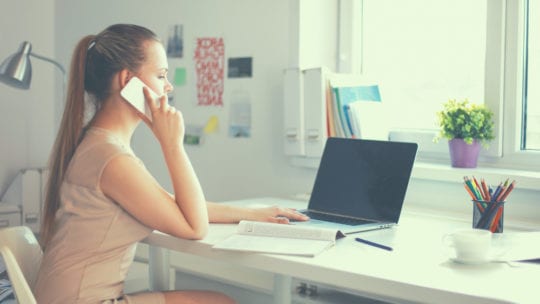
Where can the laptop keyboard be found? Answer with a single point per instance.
(335, 218)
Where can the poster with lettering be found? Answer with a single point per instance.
(209, 67)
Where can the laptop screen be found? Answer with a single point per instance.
(363, 178)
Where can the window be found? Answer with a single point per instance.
(531, 128)
(425, 52)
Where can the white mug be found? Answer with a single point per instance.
(471, 246)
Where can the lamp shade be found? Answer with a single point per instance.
(16, 70)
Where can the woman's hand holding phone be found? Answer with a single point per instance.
(164, 120)
(167, 123)
(133, 94)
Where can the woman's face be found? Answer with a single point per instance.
(153, 72)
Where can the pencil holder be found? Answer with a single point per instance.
(488, 215)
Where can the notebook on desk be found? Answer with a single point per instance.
(360, 184)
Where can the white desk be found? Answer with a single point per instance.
(417, 270)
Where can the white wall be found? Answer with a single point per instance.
(228, 168)
(26, 117)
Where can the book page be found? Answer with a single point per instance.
(274, 245)
(286, 231)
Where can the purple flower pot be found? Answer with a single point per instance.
(462, 154)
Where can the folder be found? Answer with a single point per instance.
(315, 112)
(293, 112)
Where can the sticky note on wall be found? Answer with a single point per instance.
(179, 76)
(211, 125)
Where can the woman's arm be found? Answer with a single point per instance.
(223, 213)
(127, 182)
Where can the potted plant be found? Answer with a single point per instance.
(467, 126)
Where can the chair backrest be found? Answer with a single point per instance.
(22, 256)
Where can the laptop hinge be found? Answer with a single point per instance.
(341, 215)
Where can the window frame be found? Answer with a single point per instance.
(504, 76)
(513, 86)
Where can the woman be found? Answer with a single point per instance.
(100, 199)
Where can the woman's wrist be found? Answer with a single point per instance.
(223, 213)
(173, 149)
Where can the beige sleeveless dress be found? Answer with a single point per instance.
(94, 241)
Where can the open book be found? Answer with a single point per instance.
(280, 239)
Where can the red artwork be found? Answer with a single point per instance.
(209, 66)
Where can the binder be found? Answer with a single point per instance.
(319, 104)
(315, 112)
(293, 112)
(360, 97)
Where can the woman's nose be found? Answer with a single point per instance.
(168, 87)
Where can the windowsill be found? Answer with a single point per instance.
(445, 173)
(511, 223)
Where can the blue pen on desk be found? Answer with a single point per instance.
(373, 244)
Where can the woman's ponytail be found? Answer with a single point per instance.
(69, 135)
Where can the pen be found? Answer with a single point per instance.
(373, 244)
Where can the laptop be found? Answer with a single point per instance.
(360, 184)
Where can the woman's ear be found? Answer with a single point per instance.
(123, 77)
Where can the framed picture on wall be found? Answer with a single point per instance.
(175, 42)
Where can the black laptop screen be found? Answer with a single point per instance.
(363, 178)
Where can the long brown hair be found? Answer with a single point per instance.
(96, 59)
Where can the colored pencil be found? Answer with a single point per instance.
(495, 223)
(477, 186)
(487, 196)
(496, 193)
(508, 190)
(470, 192)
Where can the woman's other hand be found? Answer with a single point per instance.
(276, 214)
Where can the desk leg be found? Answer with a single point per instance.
(282, 289)
(158, 268)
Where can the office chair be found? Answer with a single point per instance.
(22, 256)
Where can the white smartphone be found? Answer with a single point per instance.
(133, 93)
